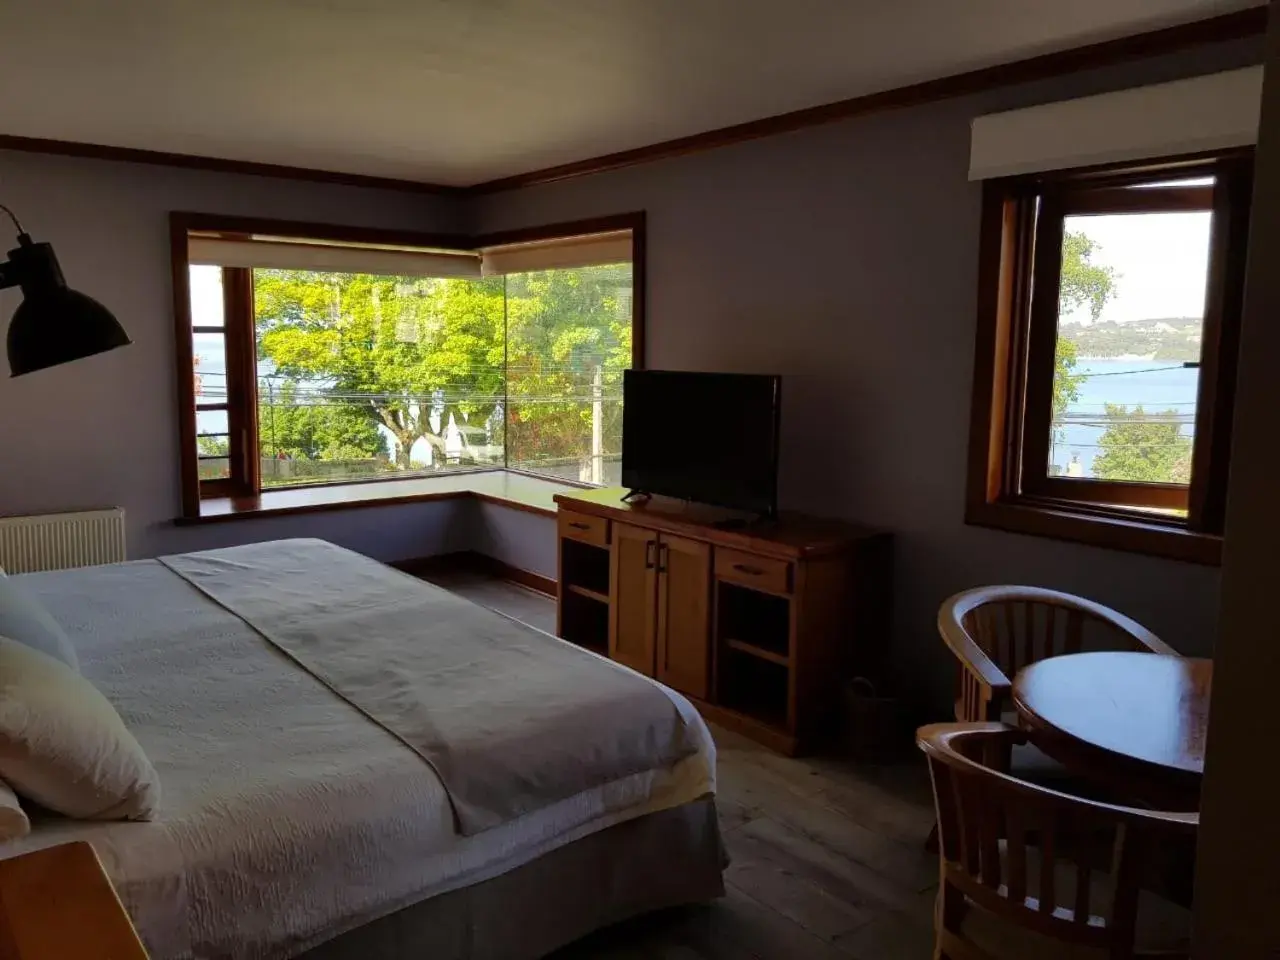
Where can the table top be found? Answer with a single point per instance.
(1141, 707)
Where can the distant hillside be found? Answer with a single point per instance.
(1176, 339)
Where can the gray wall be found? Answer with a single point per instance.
(104, 432)
(1239, 835)
(524, 540)
(844, 257)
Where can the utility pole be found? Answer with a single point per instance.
(597, 426)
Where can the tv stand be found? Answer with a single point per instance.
(758, 623)
(636, 496)
(756, 521)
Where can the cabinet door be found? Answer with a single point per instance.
(684, 615)
(633, 580)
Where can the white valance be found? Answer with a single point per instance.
(1211, 112)
(562, 253)
(286, 253)
(289, 254)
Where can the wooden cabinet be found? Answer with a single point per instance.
(660, 607)
(684, 615)
(633, 582)
(579, 526)
(757, 625)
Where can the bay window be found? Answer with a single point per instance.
(312, 356)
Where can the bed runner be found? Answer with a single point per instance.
(511, 719)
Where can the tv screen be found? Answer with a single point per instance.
(709, 437)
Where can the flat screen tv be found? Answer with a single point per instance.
(709, 437)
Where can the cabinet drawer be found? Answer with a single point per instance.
(752, 571)
(580, 526)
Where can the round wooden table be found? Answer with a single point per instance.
(1137, 720)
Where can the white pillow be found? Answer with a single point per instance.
(13, 820)
(64, 746)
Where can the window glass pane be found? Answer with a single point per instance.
(210, 354)
(568, 343)
(213, 452)
(365, 376)
(1131, 312)
(206, 296)
(212, 421)
(215, 469)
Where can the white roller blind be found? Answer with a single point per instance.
(335, 258)
(567, 252)
(1212, 112)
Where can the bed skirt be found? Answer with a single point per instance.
(660, 860)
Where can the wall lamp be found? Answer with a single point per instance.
(54, 324)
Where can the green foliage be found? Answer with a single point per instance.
(1175, 339)
(409, 353)
(1082, 283)
(1142, 447)
(313, 427)
(1066, 383)
(563, 327)
(213, 447)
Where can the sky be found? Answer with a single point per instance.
(206, 297)
(1162, 261)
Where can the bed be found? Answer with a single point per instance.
(295, 822)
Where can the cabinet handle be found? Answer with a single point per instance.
(579, 525)
(648, 553)
(662, 558)
(749, 571)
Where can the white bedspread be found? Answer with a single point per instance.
(288, 816)
(510, 719)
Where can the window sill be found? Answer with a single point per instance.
(1130, 534)
(507, 488)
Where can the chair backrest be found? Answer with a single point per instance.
(1007, 845)
(1017, 626)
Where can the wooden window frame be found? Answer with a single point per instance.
(245, 483)
(1019, 265)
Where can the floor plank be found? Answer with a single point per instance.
(795, 887)
(827, 858)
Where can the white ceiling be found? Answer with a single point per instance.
(462, 91)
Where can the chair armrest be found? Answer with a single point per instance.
(971, 656)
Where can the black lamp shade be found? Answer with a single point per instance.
(54, 324)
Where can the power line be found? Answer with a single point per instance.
(1126, 373)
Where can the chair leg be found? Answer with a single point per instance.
(948, 914)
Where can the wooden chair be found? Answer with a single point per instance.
(1015, 880)
(996, 631)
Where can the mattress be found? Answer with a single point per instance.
(288, 817)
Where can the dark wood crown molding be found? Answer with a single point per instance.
(1239, 25)
(1242, 24)
(97, 151)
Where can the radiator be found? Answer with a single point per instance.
(61, 540)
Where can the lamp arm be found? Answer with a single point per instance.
(8, 275)
(12, 216)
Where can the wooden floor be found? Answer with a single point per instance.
(828, 858)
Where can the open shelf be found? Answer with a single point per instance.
(759, 622)
(586, 566)
(754, 651)
(753, 686)
(585, 622)
(589, 594)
